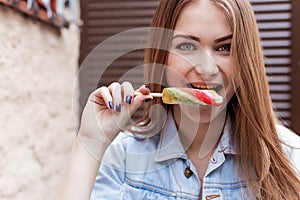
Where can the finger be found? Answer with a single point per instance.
(145, 96)
(116, 91)
(128, 92)
(103, 94)
(144, 89)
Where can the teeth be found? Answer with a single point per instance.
(204, 87)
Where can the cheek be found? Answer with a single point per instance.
(228, 72)
(230, 85)
(178, 64)
(176, 71)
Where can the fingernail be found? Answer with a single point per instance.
(147, 87)
(118, 107)
(128, 99)
(111, 105)
(147, 100)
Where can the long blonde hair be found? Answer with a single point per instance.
(262, 163)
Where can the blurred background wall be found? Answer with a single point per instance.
(38, 65)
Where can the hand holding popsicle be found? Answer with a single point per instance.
(189, 96)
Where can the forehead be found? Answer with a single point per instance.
(203, 17)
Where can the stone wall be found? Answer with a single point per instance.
(37, 73)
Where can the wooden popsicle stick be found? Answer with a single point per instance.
(159, 95)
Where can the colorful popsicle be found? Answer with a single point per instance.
(189, 96)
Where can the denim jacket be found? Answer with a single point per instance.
(158, 168)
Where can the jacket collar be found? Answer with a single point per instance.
(170, 146)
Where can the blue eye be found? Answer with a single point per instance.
(186, 47)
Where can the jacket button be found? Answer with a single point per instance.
(188, 172)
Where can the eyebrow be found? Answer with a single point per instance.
(187, 37)
(198, 39)
(223, 38)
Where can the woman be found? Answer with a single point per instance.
(215, 45)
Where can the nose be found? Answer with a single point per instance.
(206, 67)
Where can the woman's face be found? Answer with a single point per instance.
(200, 56)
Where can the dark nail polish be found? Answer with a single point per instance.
(118, 107)
(147, 100)
(146, 86)
(128, 99)
(111, 105)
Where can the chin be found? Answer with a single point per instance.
(198, 114)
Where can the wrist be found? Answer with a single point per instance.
(94, 147)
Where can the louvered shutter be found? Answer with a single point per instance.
(274, 22)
